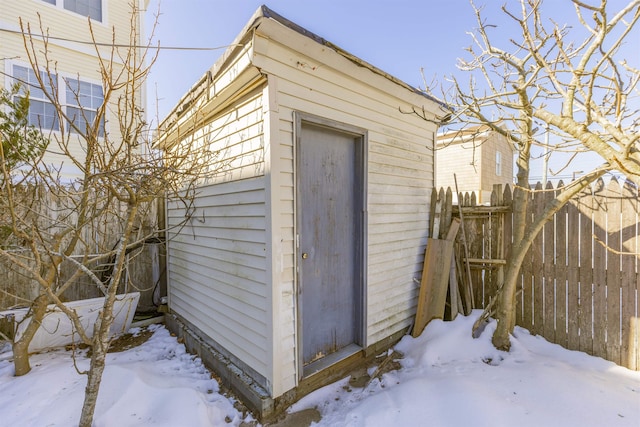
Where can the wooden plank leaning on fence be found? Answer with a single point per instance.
(436, 268)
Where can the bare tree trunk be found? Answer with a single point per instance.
(101, 334)
(506, 313)
(21, 346)
(98, 358)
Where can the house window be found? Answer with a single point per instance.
(498, 163)
(42, 113)
(83, 100)
(90, 8)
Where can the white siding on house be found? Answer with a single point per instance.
(70, 25)
(464, 160)
(70, 59)
(472, 157)
(285, 317)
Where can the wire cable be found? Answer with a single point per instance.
(6, 30)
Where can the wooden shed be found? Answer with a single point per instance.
(300, 252)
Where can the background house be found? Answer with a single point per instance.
(478, 157)
(300, 250)
(73, 59)
(70, 53)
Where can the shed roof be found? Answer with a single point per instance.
(262, 13)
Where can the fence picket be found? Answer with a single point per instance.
(614, 210)
(537, 264)
(560, 275)
(630, 245)
(573, 277)
(493, 243)
(586, 202)
(600, 271)
(508, 241)
(527, 273)
(548, 264)
(477, 247)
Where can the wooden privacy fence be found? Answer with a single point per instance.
(144, 265)
(578, 284)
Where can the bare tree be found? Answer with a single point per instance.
(107, 211)
(572, 81)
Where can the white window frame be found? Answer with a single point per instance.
(65, 98)
(498, 163)
(84, 109)
(36, 95)
(60, 4)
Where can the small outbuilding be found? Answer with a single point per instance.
(301, 250)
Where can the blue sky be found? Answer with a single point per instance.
(397, 36)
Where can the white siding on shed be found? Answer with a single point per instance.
(217, 267)
(217, 258)
(400, 171)
(237, 141)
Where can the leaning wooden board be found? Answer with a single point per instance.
(435, 279)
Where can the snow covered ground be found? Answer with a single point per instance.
(447, 379)
(154, 384)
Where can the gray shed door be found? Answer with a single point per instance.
(330, 241)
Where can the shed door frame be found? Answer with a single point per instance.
(360, 136)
